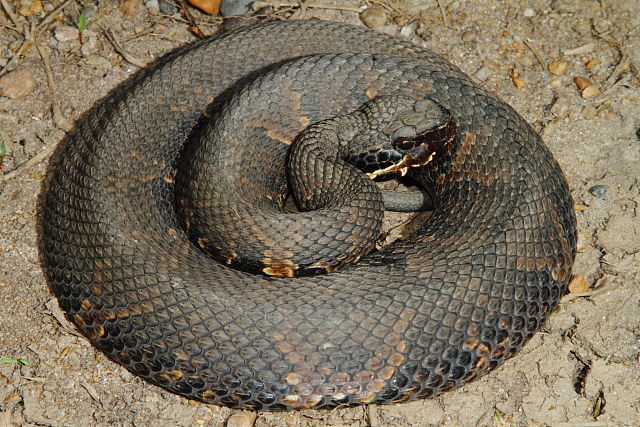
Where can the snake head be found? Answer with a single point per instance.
(412, 133)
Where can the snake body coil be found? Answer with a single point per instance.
(415, 319)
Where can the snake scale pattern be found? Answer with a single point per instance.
(412, 320)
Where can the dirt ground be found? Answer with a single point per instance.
(582, 369)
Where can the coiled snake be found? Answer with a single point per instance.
(412, 320)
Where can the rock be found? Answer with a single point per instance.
(408, 30)
(234, 7)
(560, 108)
(599, 191)
(17, 84)
(558, 68)
(470, 36)
(153, 5)
(483, 73)
(66, 33)
(242, 419)
(518, 82)
(238, 13)
(89, 12)
(591, 63)
(210, 7)
(373, 17)
(30, 8)
(90, 46)
(590, 91)
(167, 8)
(578, 284)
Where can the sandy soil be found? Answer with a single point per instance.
(582, 369)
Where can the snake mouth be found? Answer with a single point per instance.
(417, 151)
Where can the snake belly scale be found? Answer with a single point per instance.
(413, 320)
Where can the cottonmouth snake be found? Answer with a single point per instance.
(412, 320)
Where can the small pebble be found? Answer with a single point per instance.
(408, 30)
(66, 33)
(601, 26)
(153, 5)
(560, 108)
(518, 82)
(241, 419)
(590, 91)
(599, 191)
(558, 68)
(591, 63)
(89, 12)
(17, 84)
(373, 17)
(469, 36)
(210, 7)
(167, 8)
(90, 45)
(529, 13)
(160, 28)
(235, 7)
(526, 60)
(582, 82)
(578, 284)
(401, 20)
(30, 8)
(483, 73)
(557, 82)
(581, 243)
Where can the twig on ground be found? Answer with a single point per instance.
(193, 26)
(47, 67)
(29, 36)
(536, 53)
(58, 118)
(585, 48)
(50, 16)
(9, 10)
(443, 13)
(26, 44)
(29, 163)
(129, 58)
(261, 4)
